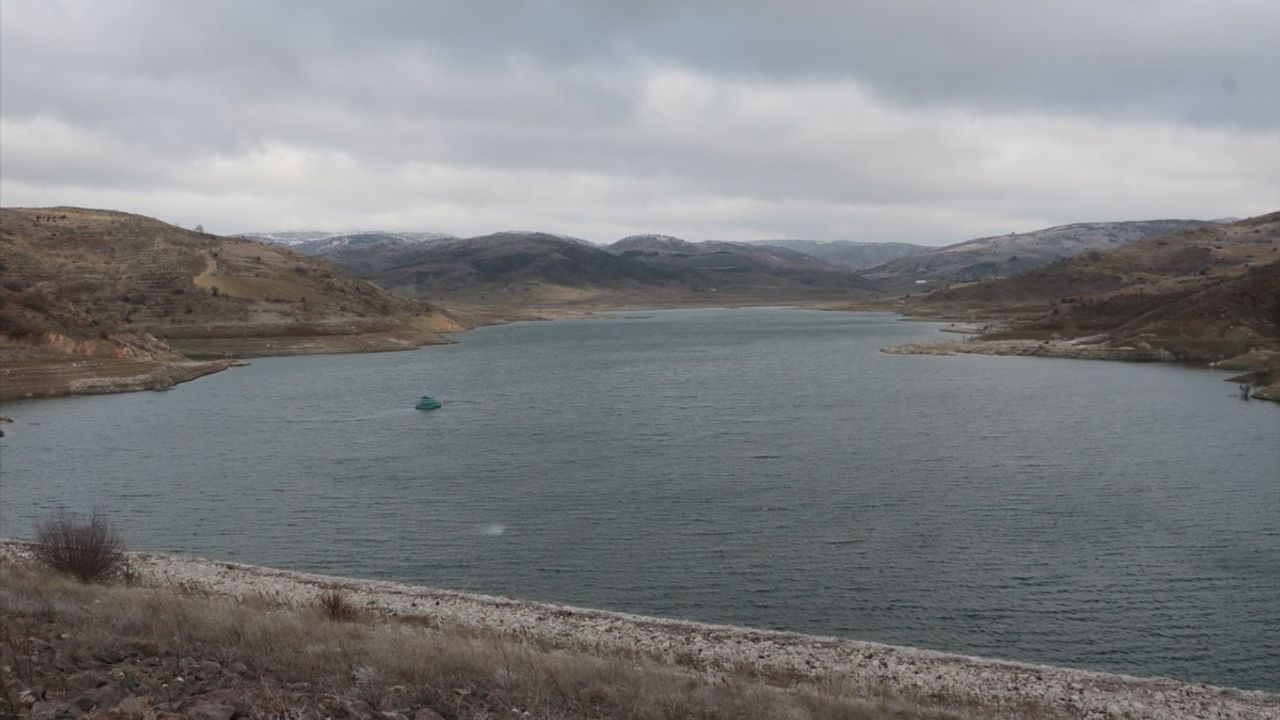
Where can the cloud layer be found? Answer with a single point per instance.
(917, 121)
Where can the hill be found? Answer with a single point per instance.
(134, 297)
(324, 243)
(1202, 295)
(1180, 261)
(850, 254)
(1015, 253)
(529, 269)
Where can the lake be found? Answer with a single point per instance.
(765, 467)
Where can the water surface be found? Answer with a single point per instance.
(765, 467)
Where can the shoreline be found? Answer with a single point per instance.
(951, 680)
(1080, 349)
(93, 376)
(205, 358)
(69, 375)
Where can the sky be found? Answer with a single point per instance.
(905, 120)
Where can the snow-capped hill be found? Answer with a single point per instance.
(309, 242)
(286, 237)
(535, 234)
(849, 253)
(1008, 255)
(653, 242)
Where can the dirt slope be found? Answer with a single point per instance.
(90, 294)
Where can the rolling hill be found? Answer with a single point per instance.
(324, 243)
(850, 254)
(92, 286)
(1015, 253)
(529, 269)
(1203, 294)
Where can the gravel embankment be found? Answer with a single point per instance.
(996, 686)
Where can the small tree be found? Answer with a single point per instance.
(89, 551)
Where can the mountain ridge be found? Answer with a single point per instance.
(523, 268)
(1008, 255)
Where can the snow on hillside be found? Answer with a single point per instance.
(314, 242)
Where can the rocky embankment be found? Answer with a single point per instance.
(991, 688)
(55, 365)
(1073, 349)
(95, 377)
(1262, 378)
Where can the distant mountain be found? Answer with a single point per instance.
(322, 243)
(461, 265)
(531, 268)
(1155, 265)
(714, 255)
(639, 244)
(854, 255)
(1015, 253)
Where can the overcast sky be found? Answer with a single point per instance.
(929, 122)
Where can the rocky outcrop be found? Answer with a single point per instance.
(1075, 349)
(1263, 382)
(96, 376)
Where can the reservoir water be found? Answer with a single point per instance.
(765, 467)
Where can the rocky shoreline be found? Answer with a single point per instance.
(1071, 349)
(94, 376)
(1261, 378)
(994, 687)
(42, 371)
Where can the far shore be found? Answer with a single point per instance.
(72, 375)
(1259, 366)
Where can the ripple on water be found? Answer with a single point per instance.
(761, 467)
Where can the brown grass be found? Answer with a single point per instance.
(458, 676)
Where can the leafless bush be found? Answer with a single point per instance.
(89, 551)
(335, 606)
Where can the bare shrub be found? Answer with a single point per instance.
(17, 326)
(89, 551)
(335, 606)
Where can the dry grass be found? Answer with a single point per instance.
(456, 675)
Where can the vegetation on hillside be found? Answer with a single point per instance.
(522, 269)
(1202, 295)
(91, 273)
(1004, 256)
(102, 301)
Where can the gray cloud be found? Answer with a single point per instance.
(923, 121)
